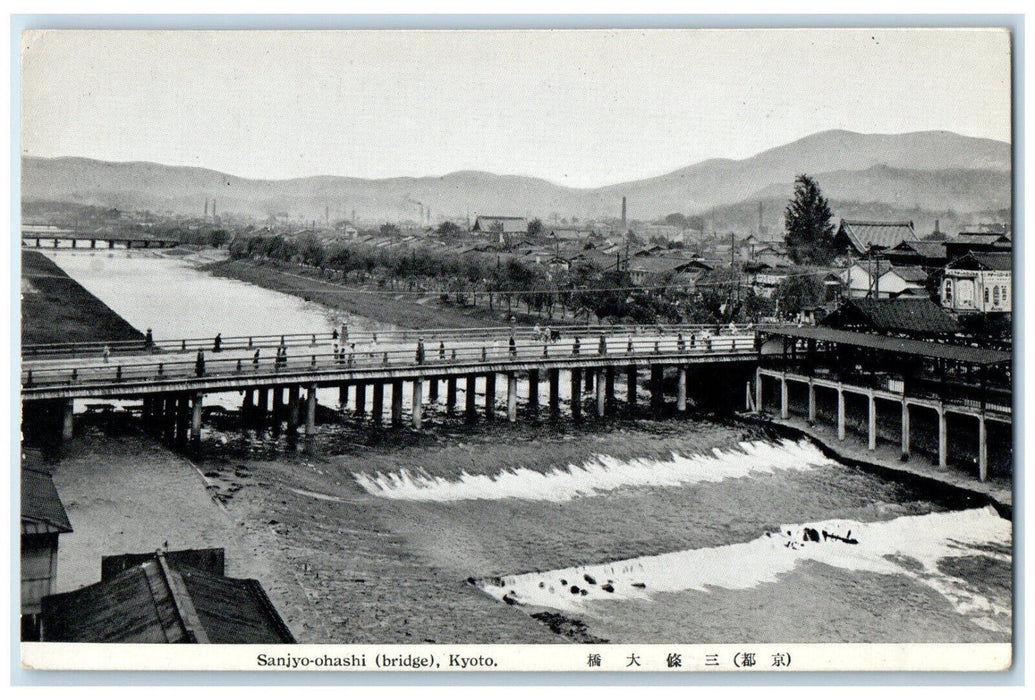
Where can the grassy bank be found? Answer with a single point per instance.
(402, 310)
(56, 309)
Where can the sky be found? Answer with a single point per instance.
(581, 108)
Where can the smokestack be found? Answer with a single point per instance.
(625, 225)
(936, 226)
(206, 207)
(760, 227)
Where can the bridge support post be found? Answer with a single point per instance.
(812, 402)
(872, 423)
(905, 429)
(74, 243)
(657, 399)
(840, 413)
(533, 391)
(111, 244)
(195, 421)
(93, 242)
(169, 418)
(182, 419)
(433, 390)
(397, 402)
(55, 243)
(67, 419)
(310, 417)
(630, 386)
(609, 388)
(377, 408)
(589, 379)
(784, 400)
(576, 394)
(343, 395)
(451, 395)
(943, 439)
(361, 398)
(277, 411)
(982, 448)
(37, 243)
(512, 397)
(470, 400)
(418, 399)
(554, 380)
(758, 390)
(293, 407)
(490, 395)
(264, 403)
(681, 390)
(600, 385)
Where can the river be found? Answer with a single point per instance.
(647, 532)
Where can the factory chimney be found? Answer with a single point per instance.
(625, 225)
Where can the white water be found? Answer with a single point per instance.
(924, 539)
(598, 476)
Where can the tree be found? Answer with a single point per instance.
(807, 221)
(389, 229)
(798, 292)
(535, 227)
(448, 228)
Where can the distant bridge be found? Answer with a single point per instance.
(35, 238)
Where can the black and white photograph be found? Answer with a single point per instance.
(583, 349)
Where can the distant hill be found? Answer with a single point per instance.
(931, 171)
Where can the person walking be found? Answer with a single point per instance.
(513, 348)
(106, 353)
(149, 342)
(602, 348)
(199, 364)
(420, 350)
(442, 350)
(255, 359)
(576, 347)
(217, 344)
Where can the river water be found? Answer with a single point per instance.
(726, 537)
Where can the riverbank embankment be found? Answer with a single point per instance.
(888, 462)
(56, 309)
(401, 309)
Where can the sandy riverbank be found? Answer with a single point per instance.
(56, 309)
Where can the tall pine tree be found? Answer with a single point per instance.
(807, 221)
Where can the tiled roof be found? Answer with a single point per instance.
(157, 603)
(40, 501)
(983, 261)
(910, 273)
(902, 315)
(864, 235)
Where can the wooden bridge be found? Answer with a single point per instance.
(171, 378)
(75, 239)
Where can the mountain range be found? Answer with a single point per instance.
(922, 173)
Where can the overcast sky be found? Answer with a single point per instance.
(579, 108)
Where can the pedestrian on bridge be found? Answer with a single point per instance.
(420, 350)
(149, 342)
(106, 353)
(680, 343)
(199, 364)
(217, 344)
(602, 348)
(576, 346)
(513, 348)
(255, 359)
(442, 350)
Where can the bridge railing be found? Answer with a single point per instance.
(294, 362)
(345, 337)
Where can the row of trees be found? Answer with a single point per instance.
(507, 284)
